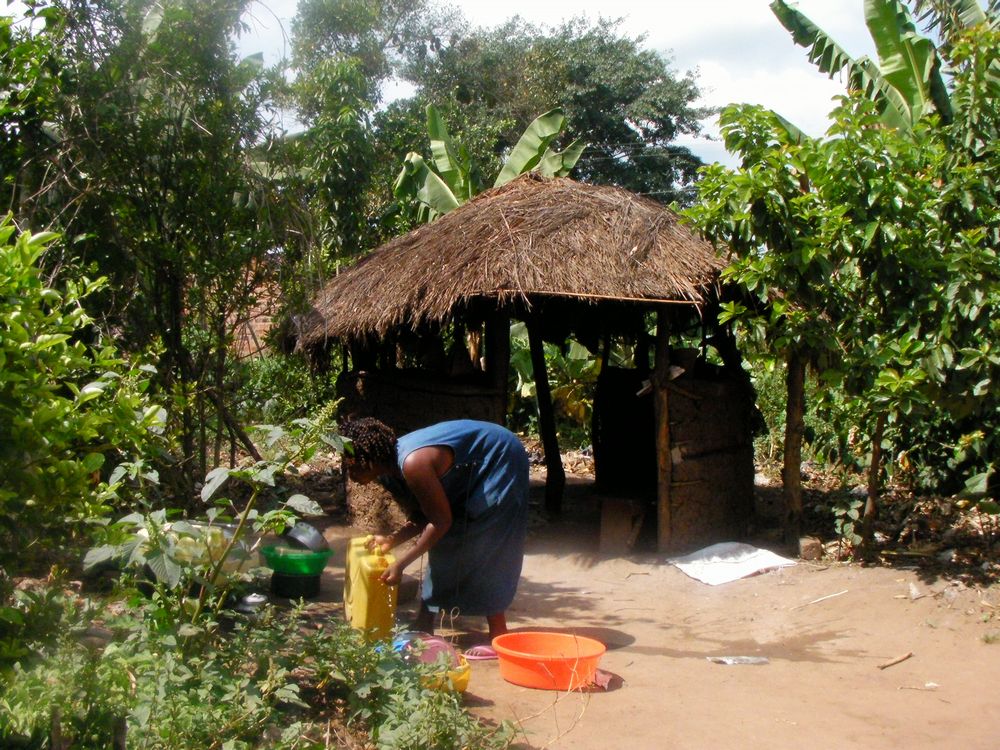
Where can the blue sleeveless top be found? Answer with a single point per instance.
(490, 463)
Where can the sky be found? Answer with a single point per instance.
(737, 49)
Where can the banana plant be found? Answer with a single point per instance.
(533, 151)
(950, 17)
(906, 83)
(452, 178)
(572, 375)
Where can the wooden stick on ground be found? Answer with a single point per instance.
(897, 660)
(821, 599)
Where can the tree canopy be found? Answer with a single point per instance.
(870, 255)
(623, 100)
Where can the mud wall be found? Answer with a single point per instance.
(711, 453)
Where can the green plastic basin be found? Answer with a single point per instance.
(300, 562)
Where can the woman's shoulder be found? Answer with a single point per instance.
(451, 427)
(455, 432)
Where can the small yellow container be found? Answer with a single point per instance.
(369, 604)
(456, 680)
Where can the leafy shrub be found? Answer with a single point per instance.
(572, 375)
(66, 406)
(31, 619)
(390, 698)
(275, 388)
(212, 557)
(146, 684)
(769, 384)
(262, 682)
(822, 418)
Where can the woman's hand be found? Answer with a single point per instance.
(381, 543)
(392, 575)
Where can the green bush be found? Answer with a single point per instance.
(276, 388)
(828, 418)
(139, 679)
(769, 385)
(69, 409)
(266, 681)
(572, 376)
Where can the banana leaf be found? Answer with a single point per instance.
(528, 151)
(949, 15)
(416, 179)
(907, 60)
(448, 164)
(561, 163)
(833, 59)
(793, 134)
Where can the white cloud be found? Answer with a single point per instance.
(798, 95)
(737, 48)
(270, 29)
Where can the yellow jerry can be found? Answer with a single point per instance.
(369, 604)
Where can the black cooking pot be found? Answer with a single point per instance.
(305, 536)
(292, 586)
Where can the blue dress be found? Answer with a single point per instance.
(476, 565)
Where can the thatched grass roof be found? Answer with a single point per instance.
(532, 236)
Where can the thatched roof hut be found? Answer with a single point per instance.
(533, 237)
(565, 258)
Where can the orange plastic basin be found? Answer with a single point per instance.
(549, 661)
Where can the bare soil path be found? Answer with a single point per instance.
(822, 685)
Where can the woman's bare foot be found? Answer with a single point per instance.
(497, 624)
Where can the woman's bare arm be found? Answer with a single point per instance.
(422, 470)
(404, 533)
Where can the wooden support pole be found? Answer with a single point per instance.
(664, 462)
(555, 480)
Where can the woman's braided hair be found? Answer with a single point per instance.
(374, 442)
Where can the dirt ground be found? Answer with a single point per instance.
(825, 629)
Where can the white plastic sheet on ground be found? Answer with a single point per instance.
(728, 561)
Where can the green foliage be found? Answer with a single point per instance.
(769, 384)
(251, 682)
(276, 388)
(533, 150)
(32, 619)
(29, 79)
(872, 254)
(148, 164)
(905, 85)
(400, 127)
(453, 178)
(847, 520)
(864, 253)
(69, 409)
(572, 375)
(391, 699)
(488, 85)
(828, 424)
(180, 669)
(196, 565)
(75, 687)
(624, 101)
(374, 34)
(229, 692)
(331, 161)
